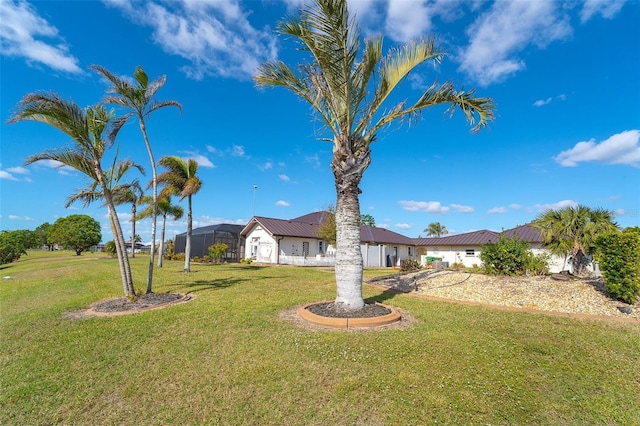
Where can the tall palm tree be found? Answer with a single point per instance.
(436, 229)
(180, 179)
(138, 97)
(86, 127)
(347, 89)
(165, 209)
(571, 232)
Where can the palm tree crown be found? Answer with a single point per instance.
(572, 231)
(180, 179)
(436, 229)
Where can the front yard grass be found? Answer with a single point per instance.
(227, 358)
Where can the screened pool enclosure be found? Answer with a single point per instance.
(202, 238)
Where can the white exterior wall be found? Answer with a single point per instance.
(452, 254)
(264, 248)
(260, 246)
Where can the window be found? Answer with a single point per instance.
(410, 251)
(470, 252)
(321, 247)
(305, 248)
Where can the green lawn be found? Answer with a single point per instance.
(226, 357)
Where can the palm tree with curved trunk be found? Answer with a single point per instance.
(132, 194)
(436, 229)
(87, 128)
(138, 97)
(180, 179)
(165, 209)
(347, 89)
(571, 232)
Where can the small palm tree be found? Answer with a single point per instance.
(121, 192)
(86, 127)
(165, 209)
(347, 89)
(180, 179)
(132, 194)
(436, 229)
(138, 97)
(571, 232)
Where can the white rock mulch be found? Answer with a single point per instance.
(576, 296)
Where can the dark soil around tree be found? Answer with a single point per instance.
(143, 301)
(329, 309)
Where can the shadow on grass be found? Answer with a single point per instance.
(215, 284)
(383, 297)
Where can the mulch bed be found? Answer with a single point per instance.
(143, 301)
(330, 310)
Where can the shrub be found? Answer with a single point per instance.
(196, 259)
(410, 265)
(457, 266)
(110, 248)
(619, 254)
(217, 251)
(537, 264)
(246, 260)
(178, 256)
(511, 257)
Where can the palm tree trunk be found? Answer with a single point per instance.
(133, 230)
(187, 248)
(118, 236)
(154, 184)
(161, 251)
(348, 169)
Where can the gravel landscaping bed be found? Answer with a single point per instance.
(576, 296)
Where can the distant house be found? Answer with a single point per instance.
(465, 248)
(202, 238)
(296, 242)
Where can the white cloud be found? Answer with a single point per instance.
(425, 206)
(515, 206)
(284, 178)
(204, 220)
(556, 206)
(238, 151)
(212, 149)
(314, 160)
(214, 36)
(6, 175)
(507, 28)
(266, 166)
(382, 225)
(497, 210)
(22, 32)
(201, 160)
(403, 226)
(462, 209)
(606, 8)
(15, 217)
(282, 203)
(541, 102)
(621, 148)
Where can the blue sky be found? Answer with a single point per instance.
(564, 77)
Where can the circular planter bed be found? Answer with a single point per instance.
(373, 315)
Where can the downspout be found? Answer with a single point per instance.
(278, 250)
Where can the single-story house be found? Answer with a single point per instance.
(296, 242)
(202, 238)
(465, 248)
